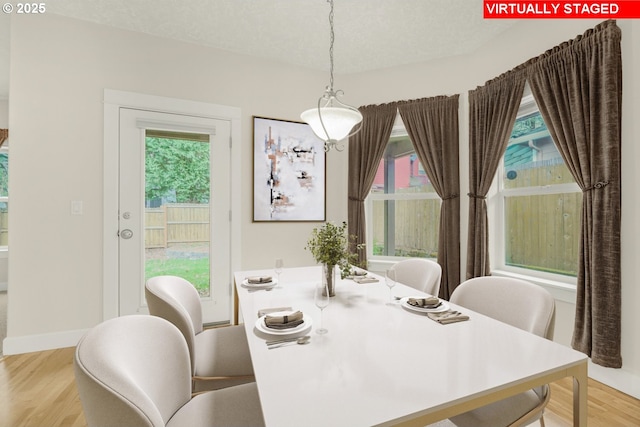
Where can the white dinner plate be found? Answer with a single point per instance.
(245, 284)
(405, 303)
(305, 325)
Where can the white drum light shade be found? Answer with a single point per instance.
(338, 122)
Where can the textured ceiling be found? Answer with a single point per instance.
(369, 34)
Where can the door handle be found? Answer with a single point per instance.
(126, 234)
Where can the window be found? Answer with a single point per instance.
(539, 203)
(403, 209)
(4, 197)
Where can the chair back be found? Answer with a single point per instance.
(419, 273)
(176, 300)
(132, 371)
(516, 302)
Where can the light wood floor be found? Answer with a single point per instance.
(38, 390)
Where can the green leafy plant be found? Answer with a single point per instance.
(329, 245)
(177, 168)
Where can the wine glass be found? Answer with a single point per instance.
(279, 267)
(390, 280)
(321, 297)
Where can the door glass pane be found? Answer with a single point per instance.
(176, 220)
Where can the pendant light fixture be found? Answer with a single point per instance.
(332, 120)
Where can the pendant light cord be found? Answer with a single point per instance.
(331, 46)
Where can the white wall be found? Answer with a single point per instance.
(4, 113)
(59, 69)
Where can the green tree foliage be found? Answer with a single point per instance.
(179, 167)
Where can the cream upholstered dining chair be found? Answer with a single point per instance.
(219, 356)
(525, 306)
(136, 371)
(419, 273)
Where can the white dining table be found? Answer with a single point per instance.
(381, 364)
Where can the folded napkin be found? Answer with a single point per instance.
(265, 311)
(427, 302)
(258, 280)
(449, 316)
(365, 279)
(284, 320)
(356, 273)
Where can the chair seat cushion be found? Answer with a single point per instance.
(501, 413)
(237, 406)
(222, 352)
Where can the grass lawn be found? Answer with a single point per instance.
(195, 271)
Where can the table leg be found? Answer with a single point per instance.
(236, 302)
(580, 396)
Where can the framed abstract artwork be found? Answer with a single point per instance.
(289, 172)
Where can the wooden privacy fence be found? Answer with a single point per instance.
(416, 226)
(543, 231)
(176, 223)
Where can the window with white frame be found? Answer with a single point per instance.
(538, 205)
(4, 197)
(402, 208)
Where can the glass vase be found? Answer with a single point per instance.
(329, 278)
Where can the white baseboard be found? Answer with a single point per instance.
(42, 342)
(625, 381)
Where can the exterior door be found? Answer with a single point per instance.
(174, 207)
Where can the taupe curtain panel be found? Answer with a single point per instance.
(492, 114)
(365, 152)
(432, 125)
(578, 87)
(4, 135)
